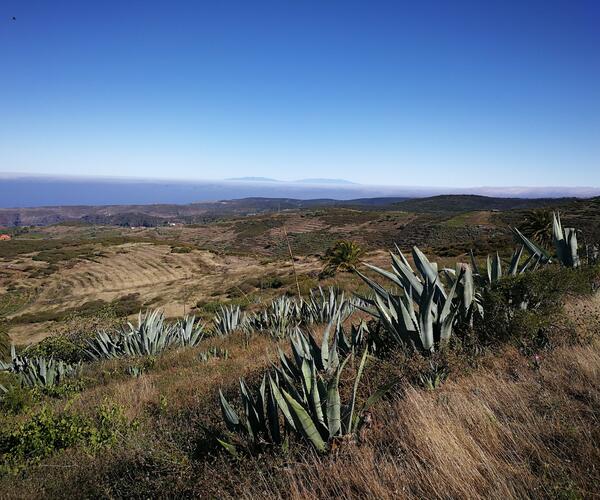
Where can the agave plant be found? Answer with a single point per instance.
(280, 319)
(151, 336)
(188, 332)
(495, 270)
(468, 292)
(322, 307)
(311, 407)
(227, 320)
(305, 349)
(423, 314)
(565, 244)
(38, 372)
(326, 356)
(357, 338)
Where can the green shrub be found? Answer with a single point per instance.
(176, 249)
(4, 343)
(67, 348)
(15, 399)
(63, 390)
(47, 432)
(523, 307)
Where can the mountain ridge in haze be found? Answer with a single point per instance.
(37, 191)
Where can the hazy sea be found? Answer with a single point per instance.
(51, 191)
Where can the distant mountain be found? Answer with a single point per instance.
(252, 179)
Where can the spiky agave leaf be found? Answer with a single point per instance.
(304, 422)
(565, 243)
(349, 417)
(39, 371)
(531, 247)
(232, 421)
(334, 405)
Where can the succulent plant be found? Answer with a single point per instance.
(37, 371)
(565, 243)
(228, 319)
(151, 336)
(310, 405)
(280, 319)
(423, 314)
(322, 307)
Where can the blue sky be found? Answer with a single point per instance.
(405, 93)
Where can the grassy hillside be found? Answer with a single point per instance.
(504, 405)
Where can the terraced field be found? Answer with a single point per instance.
(154, 273)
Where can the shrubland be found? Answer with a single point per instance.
(476, 379)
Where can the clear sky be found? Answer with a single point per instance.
(424, 93)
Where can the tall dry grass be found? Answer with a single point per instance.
(513, 430)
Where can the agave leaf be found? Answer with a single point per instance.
(426, 268)
(305, 423)
(281, 403)
(232, 421)
(273, 415)
(426, 318)
(350, 416)
(514, 261)
(315, 397)
(334, 421)
(532, 248)
(410, 280)
(231, 449)
(474, 263)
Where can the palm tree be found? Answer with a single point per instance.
(343, 255)
(537, 226)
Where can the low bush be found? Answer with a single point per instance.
(47, 432)
(522, 308)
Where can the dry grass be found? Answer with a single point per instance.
(514, 427)
(508, 431)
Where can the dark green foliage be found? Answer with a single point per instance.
(4, 342)
(16, 398)
(470, 202)
(537, 226)
(520, 309)
(47, 432)
(63, 254)
(342, 256)
(59, 391)
(67, 348)
(180, 249)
